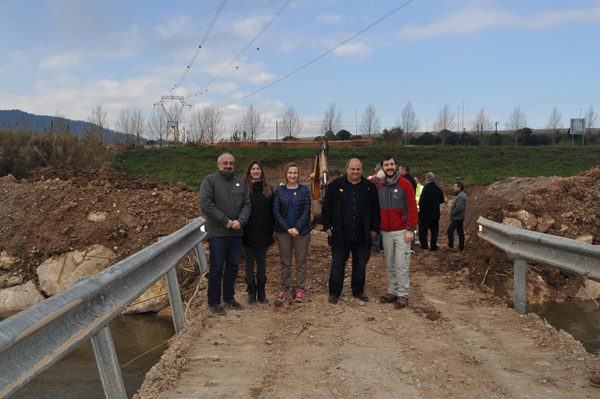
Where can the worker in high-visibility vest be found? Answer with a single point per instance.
(418, 190)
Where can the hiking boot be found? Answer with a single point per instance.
(388, 298)
(262, 295)
(401, 303)
(251, 291)
(300, 296)
(217, 309)
(232, 303)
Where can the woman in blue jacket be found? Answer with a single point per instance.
(291, 210)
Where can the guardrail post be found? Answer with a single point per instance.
(108, 365)
(175, 300)
(520, 278)
(201, 253)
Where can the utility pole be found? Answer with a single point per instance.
(356, 128)
(277, 130)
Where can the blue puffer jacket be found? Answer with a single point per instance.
(301, 210)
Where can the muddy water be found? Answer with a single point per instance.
(76, 375)
(581, 319)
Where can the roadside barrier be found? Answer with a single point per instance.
(523, 246)
(34, 339)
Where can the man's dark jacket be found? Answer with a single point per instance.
(335, 203)
(429, 204)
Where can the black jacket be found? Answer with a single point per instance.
(429, 204)
(258, 232)
(334, 206)
(412, 181)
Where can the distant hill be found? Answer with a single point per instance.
(15, 118)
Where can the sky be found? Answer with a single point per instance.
(69, 56)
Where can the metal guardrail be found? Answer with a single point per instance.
(34, 339)
(522, 246)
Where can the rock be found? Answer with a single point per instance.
(18, 298)
(563, 229)
(589, 239)
(544, 224)
(14, 280)
(6, 261)
(590, 290)
(529, 221)
(97, 216)
(155, 299)
(57, 274)
(3, 280)
(512, 222)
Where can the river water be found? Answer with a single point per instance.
(581, 319)
(76, 375)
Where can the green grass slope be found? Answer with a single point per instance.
(472, 165)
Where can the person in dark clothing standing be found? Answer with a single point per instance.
(225, 202)
(404, 171)
(258, 232)
(350, 215)
(429, 205)
(457, 216)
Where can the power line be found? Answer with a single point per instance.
(322, 55)
(245, 48)
(212, 24)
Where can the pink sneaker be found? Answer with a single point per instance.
(282, 295)
(300, 296)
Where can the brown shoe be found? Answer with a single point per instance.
(401, 303)
(595, 381)
(362, 296)
(388, 298)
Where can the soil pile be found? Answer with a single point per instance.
(65, 209)
(568, 207)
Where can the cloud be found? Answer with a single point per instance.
(470, 21)
(331, 19)
(64, 60)
(356, 49)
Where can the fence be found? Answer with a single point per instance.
(39, 336)
(522, 246)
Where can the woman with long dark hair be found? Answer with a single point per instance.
(258, 232)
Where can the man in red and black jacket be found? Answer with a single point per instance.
(399, 215)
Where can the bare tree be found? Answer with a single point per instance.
(555, 124)
(124, 126)
(332, 120)
(97, 123)
(60, 123)
(291, 125)
(517, 121)
(445, 119)
(138, 124)
(236, 134)
(370, 123)
(482, 124)
(251, 124)
(212, 122)
(590, 121)
(409, 122)
(157, 125)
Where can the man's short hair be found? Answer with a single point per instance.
(377, 167)
(430, 176)
(406, 167)
(460, 185)
(387, 158)
(352, 159)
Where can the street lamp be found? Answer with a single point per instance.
(426, 125)
(496, 127)
(580, 112)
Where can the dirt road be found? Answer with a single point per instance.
(450, 342)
